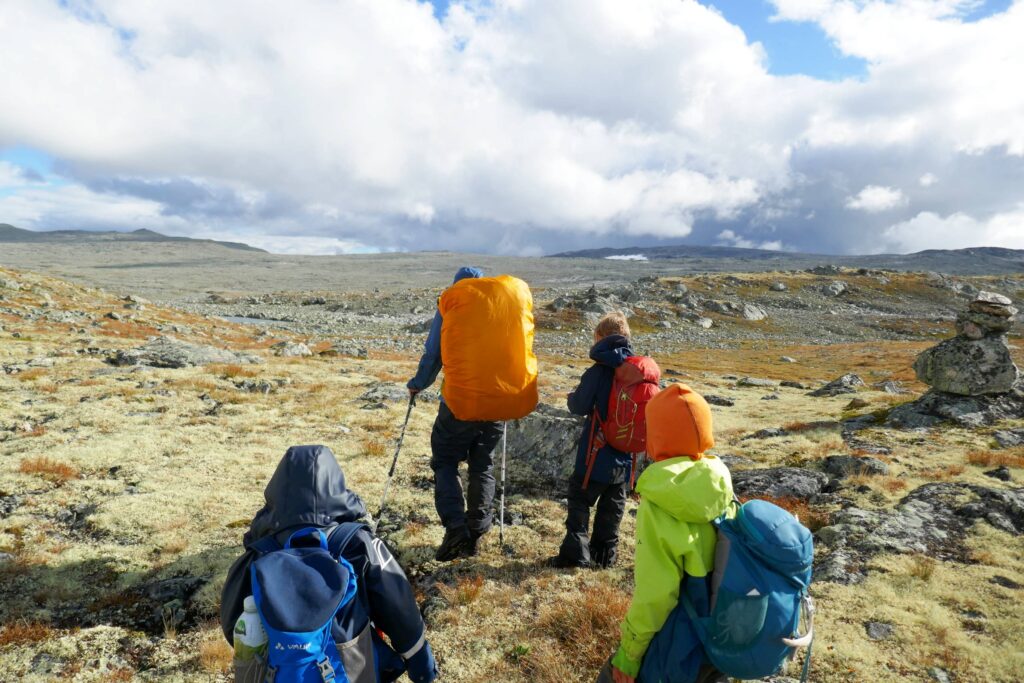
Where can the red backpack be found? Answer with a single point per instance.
(636, 381)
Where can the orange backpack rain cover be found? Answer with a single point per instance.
(490, 372)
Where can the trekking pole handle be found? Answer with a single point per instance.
(807, 605)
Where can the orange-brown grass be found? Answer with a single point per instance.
(893, 484)
(465, 591)
(1011, 457)
(122, 675)
(943, 473)
(49, 469)
(827, 447)
(810, 517)
(816, 362)
(922, 567)
(373, 446)
(48, 388)
(585, 629)
(232, 371)
(23, 632)
(30, 374)
(214, 654)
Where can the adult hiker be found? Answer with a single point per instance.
(681, 493)
(603, 473)
(307, 494)
(482, 335)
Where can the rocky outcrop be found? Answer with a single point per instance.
(967, 411)
(977, 361)
(542, 450)
(932, 520)
(847, 384)
(346, 349)
(168, 352)
(779, 482)
(289, 349)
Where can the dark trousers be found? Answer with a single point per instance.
(598, 548)
(451, 442)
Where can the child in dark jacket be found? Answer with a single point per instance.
(607, 482)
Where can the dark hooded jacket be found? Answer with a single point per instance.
(611, 466)
(308, 490)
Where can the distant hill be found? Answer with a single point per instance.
(9, 233)
(972, 261)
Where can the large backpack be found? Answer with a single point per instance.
(490, 370)
(317, 629)
(758, 593)
(635, 383)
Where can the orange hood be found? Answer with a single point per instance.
(678, 424)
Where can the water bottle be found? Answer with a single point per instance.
(250, 638)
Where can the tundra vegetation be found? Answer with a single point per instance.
(126, 482)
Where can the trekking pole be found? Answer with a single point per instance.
(394, 463)
(501, 507)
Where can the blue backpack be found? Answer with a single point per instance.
(300, 592)
(758, 593)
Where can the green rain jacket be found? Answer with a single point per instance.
(674, 536)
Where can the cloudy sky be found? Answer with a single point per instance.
(518, 126)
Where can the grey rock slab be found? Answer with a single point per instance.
(993, 298)
(291, 349)
(936, 407)
(845, 465)
(779, 482)
(719, 400)
(756, 382)
(1000, 473)
(1008, 438)
(168, 352)
(847, 384)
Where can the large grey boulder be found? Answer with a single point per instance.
(967, 411)
(969, 367)
(168, 352)
(779, 482)
(289, 349)
(542, 450)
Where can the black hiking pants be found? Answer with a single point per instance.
(599, 548)
(451, 442)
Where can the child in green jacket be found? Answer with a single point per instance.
(681, 493)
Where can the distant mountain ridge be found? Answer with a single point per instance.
(9, 233)
(973, 260)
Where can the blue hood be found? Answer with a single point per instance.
(307, 489)
(467, 271)
(611, 351)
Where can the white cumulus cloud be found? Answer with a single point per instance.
(928, 230)
(875, 198)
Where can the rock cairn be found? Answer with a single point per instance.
(977, 361)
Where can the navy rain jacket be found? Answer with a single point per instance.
(308, 490)
(430, 362)
(612, 466)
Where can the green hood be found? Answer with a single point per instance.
(689, 491)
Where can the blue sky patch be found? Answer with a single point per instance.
(792, 47)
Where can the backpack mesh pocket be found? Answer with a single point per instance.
(737, 620)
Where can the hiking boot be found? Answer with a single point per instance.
(559, 562)
(473, 547)
(457, 543)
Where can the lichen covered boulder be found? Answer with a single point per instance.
(968, 367)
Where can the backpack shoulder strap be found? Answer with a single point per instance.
(267, 544)
(341, 535)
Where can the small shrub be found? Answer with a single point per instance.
(465, 591)
(584, 629)
(811, 518)
(24, 632)
(49, 469)
(374, 447)
(922, 567)
(894, 484)
(943, 473)
(30, 374)
(1011, 457)
(215, 654)
(233, 371)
